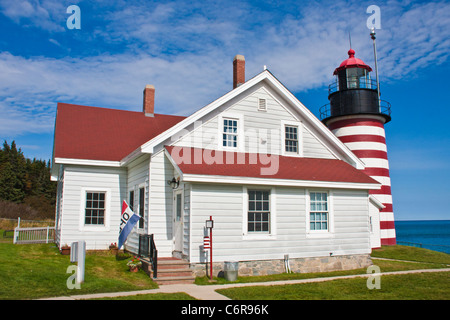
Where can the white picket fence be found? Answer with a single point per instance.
(34, 235)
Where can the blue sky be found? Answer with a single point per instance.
(185, 49)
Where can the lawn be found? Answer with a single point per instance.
(421, 286)
(39, 270)
(423, 259)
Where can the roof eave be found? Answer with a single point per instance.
(278, 182)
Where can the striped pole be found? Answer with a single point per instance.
(365, 136)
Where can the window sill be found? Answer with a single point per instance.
(259, 237)
(319, 235)
(89, 228)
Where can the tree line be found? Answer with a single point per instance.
(25, 183)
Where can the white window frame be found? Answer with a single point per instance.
(299, 126)
(137, 206)
(93, 227)
(271, 235)
(329, 233)
(240, 140)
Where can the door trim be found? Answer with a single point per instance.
(178, 246)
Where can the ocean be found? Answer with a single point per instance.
(428, 234)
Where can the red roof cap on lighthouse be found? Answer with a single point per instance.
(352, 62)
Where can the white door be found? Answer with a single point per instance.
(178, 221)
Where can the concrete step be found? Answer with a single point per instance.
(170, 271)
(162, 273)
(174, 279)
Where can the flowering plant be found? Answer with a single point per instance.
(113, 245)
(135, 262)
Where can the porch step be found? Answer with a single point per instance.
(172, 271)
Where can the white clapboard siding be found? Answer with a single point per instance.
(161, 203)
(225, 204)
(263, 130)
(138, 176)
(78, 180)
(313, 147)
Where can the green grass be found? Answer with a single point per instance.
(424, 286)
(39, 270)
(424, 259)
(412, 254)
(153, 296)
(419, 286)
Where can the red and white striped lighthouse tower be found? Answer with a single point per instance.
(357, 117)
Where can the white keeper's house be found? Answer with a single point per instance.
(280, 184)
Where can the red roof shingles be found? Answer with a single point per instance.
(207, 162)
(92, 133)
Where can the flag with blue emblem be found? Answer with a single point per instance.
(127, 222)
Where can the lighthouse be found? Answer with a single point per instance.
(357, 116)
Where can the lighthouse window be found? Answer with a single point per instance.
(291, 139)
(358, 78)
(352, 78)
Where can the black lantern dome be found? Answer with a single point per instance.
(354, 92)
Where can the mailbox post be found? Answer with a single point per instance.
(78, 254)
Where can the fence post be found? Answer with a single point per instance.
(18, 222)
(15, 235)
(46, 239)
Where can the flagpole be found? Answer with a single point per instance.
(372, 35)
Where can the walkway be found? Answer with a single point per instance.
(207, 292)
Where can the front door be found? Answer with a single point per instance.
(178, 221)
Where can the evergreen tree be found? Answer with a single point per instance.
(26, 181)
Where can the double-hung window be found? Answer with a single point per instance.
(291, 139)
(95, 208)
(258, 220)
(319, 211)
(230, 133)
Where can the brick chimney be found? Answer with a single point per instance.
(149, 101)
(238, 70)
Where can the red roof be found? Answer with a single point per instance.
(352, 62)
(291, 168)
(93, 133)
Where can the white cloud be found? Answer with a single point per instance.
(45, 14)
(186, 51)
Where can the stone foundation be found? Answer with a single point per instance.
(297, 265)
